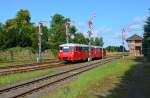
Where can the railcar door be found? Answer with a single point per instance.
(76, 53)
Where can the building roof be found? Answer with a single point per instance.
(134, 37)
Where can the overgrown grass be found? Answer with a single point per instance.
(10, 79)
(19, 55)
(85, 84)
(55, 53)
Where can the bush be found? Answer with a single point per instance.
(55, 53)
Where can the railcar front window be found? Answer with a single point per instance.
(67, 49)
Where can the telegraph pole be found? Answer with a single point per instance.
(39, 58)
(67, 34)
(39, 44)
(102, 51)
(102, 47)
(90, 24)
(122, 32)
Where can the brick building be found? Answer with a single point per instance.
(135, 45)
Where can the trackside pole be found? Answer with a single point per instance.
(90, 24)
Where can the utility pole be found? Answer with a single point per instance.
(67, 33)
(90, 24)
(39, 58)
(39, 44)
(122, 32)
(102, 51)
(102, 47)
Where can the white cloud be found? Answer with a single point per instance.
(139, 20)
(103, 29)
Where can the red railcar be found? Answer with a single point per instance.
(76, 52)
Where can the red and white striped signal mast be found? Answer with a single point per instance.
(90, 30)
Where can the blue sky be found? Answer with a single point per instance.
(111, 15)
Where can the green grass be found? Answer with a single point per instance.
(10, 79)
(85, 84)
(18, 55)
(18, 63)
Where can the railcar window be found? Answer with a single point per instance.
(67, 49)
(76, 49)
(80, 49)
(60, 48)
(87, 49)
(100, 49)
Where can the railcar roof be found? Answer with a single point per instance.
(79, 45)
(96, 47)
(73, 45)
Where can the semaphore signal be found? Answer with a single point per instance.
(90, 30)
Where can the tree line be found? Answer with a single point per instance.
(116, 48)
(20, 31)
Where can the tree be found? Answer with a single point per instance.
(10, 36)
(57, 32)
(146, 40)
(44, 38)
(24, 28)
(1, 35)
(18, 31)
(45, 44)
(98, 41)
(80, 39)
(115, 48)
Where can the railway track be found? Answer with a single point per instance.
(30, 64)
(32, 67)
(29, 67)
(25, 89)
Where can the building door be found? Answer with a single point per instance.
(138, 51)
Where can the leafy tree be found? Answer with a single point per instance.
(79, 38)
(115, 48)
(57, 30)
(98, 41)
(10, 35)
(45, 44)
(146, 40)
(1, 35)
(18, 30)
(24, 28)
(112, 48)
(122, 48)
(23, 17)
(44, 37)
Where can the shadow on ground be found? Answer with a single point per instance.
(134, 84)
